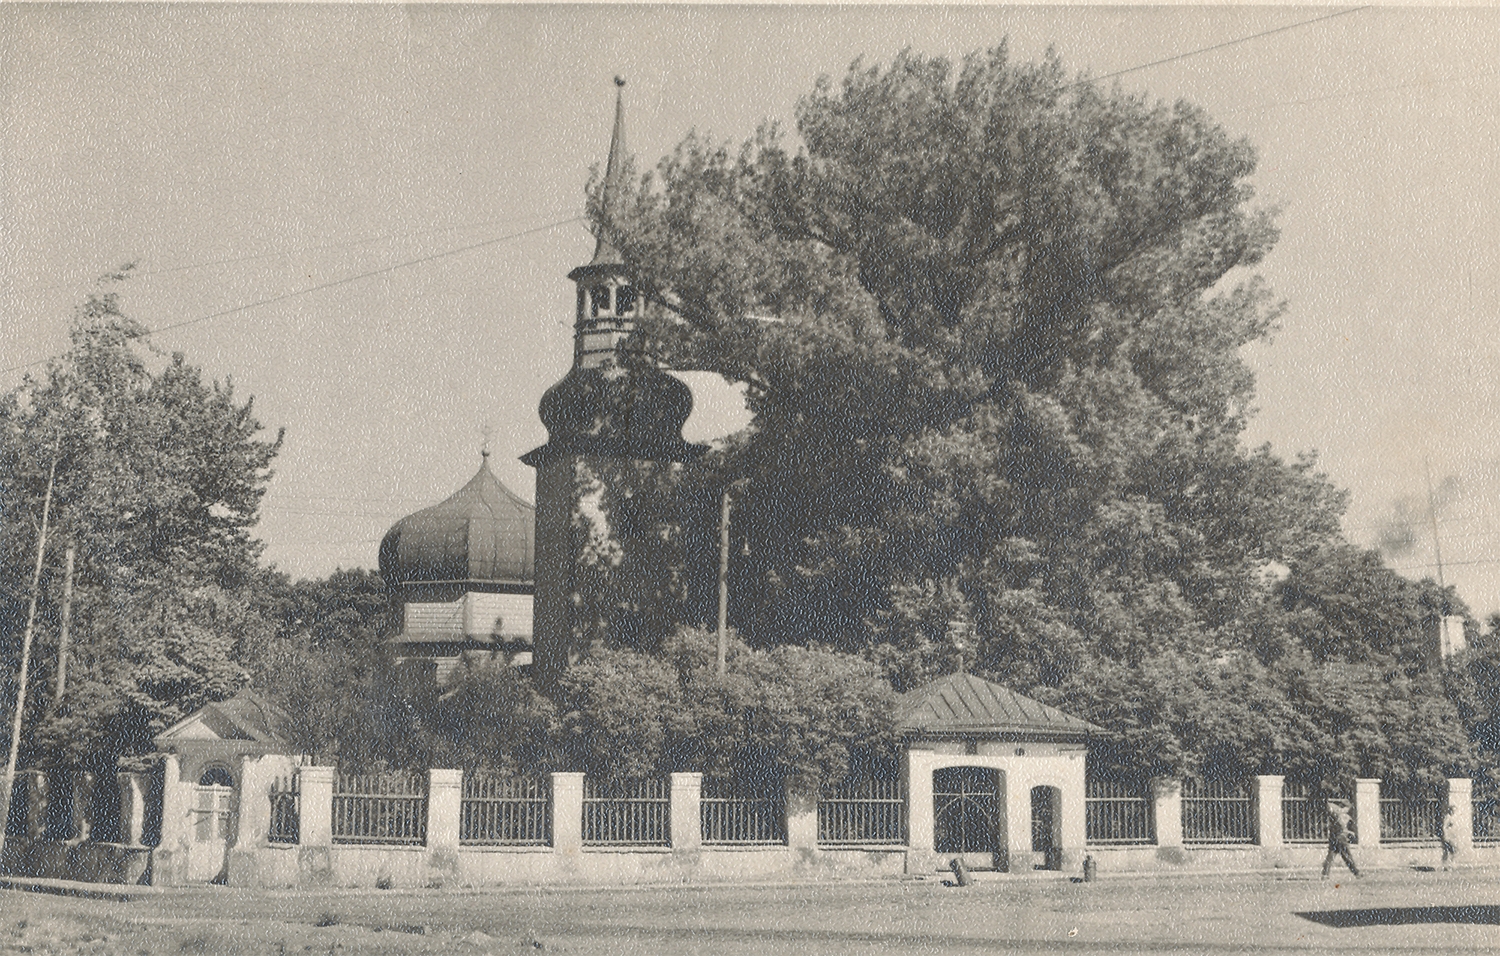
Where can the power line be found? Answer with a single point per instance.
(1216, 46)
(1352, 93)
(333, 284)
(234, 260)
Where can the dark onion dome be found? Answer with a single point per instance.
(484, 534)
(632, 410)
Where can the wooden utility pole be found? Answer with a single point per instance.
(724, 582)
(62, 630)
(15, 729)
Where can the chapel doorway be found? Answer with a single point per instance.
(1046, 835)
(215, 807)
(967, 819)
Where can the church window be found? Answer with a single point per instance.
(625, 300)
(599, 300)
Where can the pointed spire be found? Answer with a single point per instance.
(605, 252)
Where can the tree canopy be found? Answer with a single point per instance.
(159, 477)
(990, 319)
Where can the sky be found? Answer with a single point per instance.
(364, 216)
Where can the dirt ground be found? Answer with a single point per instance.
(1392, 911)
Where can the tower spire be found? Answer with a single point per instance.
(605, 252)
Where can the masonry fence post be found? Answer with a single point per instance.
(1461, 797)
(132, 806)
(1367, 812)
(801, 824)
(686, 813)
(1166, 796)
(1268, 810)
(567, 814)
(169, 863)
(37, 792)
(315, 823)
(445, 802)
(82, 826)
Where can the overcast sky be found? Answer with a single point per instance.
(246, 153)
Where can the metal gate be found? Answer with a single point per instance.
(964, 809)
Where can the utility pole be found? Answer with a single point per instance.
(1437, 546)
(724, 582)
(62, 631)
(15, 730)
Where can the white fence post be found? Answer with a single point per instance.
(83, 807)
(1268, 810)
(1461, 798)
(567, 813)
(1167, 798)
(686, 813)
(1367, 812)
(315, 826)
(38, 790)
(445, 794)
(132, 807)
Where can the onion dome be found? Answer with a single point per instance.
(484, 536)
(630, 411)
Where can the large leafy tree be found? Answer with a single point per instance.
(158, 481)
(990, 318)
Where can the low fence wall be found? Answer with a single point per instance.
(292, 825)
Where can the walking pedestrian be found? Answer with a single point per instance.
(1338, 837)
(1449, 836)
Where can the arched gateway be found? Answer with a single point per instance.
(992, 777)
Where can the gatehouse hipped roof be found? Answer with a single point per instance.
(962, 705)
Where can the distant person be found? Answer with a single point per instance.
(1338, 837)
(1449, 836)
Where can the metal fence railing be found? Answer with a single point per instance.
(1486, 819)
(632, 813)
(870, 811)
(733, 815)
(505, 811)
(1217, 811)
(1410, 816)
(1304, 813)
(286, 810)
(385, 808)
(1119, 813)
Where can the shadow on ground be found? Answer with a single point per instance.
(1406, 915)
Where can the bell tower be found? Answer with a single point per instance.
(615, 413)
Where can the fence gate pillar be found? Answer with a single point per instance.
(1461, 798)
(132, 806)
(315, 825)
(686, 812)
(169, 862)
(916, 770)
(1268, 809)
(83, 807)
(1166, 796)
(36, 803)
(1367, 812)
(445, 803)
(567, 813)
(801, 822)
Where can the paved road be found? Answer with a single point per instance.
(1390, 911)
